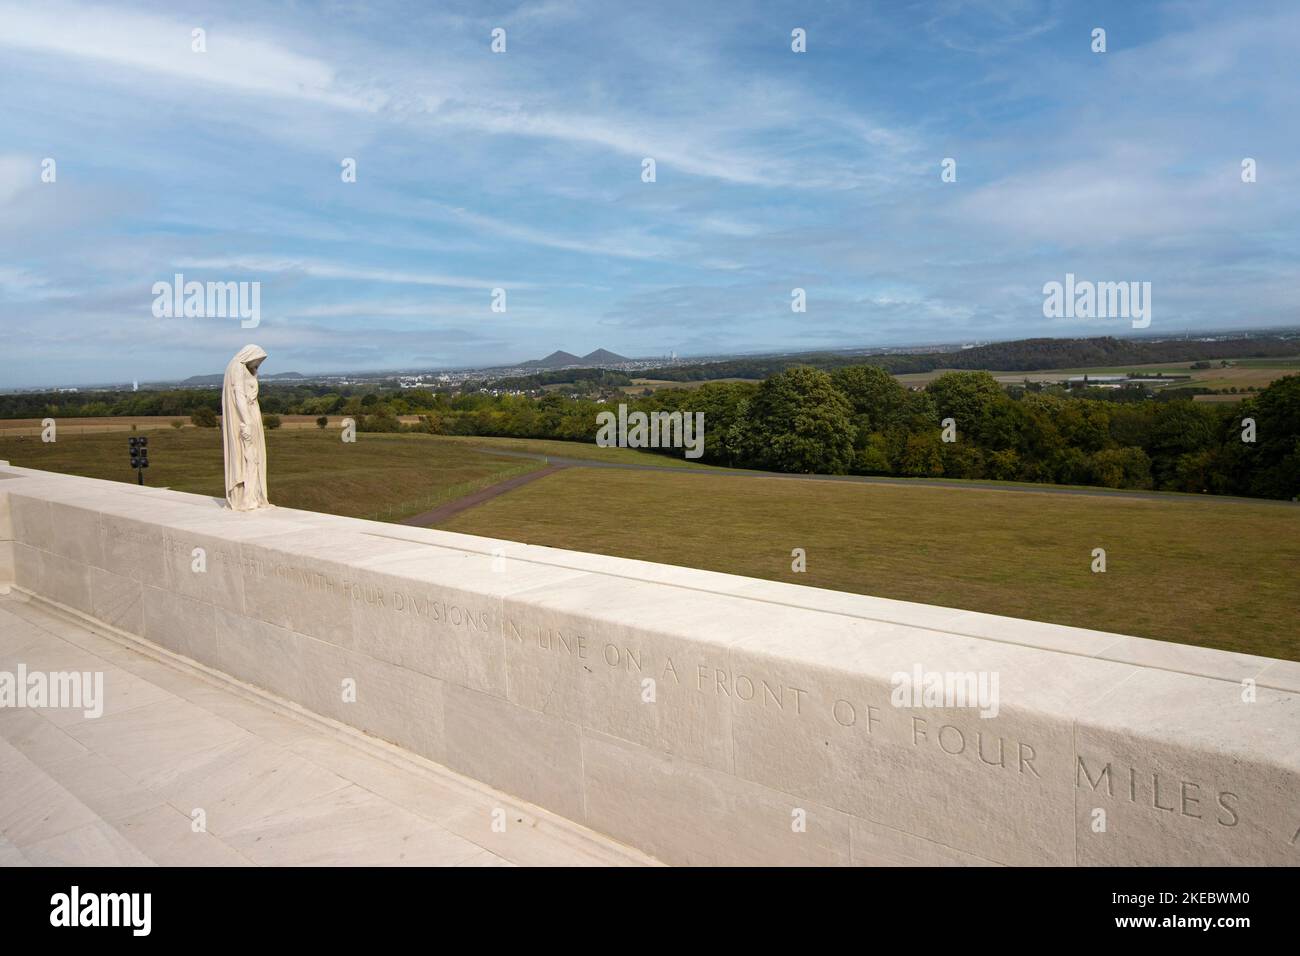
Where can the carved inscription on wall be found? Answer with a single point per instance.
(975, 741)
(371, 596)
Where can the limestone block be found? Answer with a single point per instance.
(822, 722)
(7, 568)
(877, 845)
(180, 624)
(685, 814)
(6, 518)
(75, 534)
(134, 548)
(30, 517)
(260, 654)
(117, 600)
(27, 568)
(531, 755)
(439, 612)
(297, 591)
(620, 657)
(204, 567)
(65, 581)
(1188, 772)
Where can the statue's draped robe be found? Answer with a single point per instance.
(242, 437)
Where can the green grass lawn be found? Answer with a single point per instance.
(388, 477)
(574, 449)
(1217, 574)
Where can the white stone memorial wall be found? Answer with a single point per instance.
(703, 718)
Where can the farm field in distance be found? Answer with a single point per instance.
(1204, 571)
(639, 385)
(1243, 373)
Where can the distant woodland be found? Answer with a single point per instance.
(1020, 356)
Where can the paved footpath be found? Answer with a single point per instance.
(271, 787)
(431, 519)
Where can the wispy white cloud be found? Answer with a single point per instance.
(236, 62)
(20, 283)
(629, 244)
(16, 174)
(156, 45)
(317, 269)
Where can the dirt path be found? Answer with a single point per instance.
(441, 513)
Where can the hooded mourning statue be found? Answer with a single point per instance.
(242, 437)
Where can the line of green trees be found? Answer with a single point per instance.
(854, 420)
(274, 399)
(859, 420)
(579, 379)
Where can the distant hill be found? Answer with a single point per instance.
(563, 359)
(555, 360)
(217, 378)
(603, 356)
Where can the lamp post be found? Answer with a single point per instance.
(139, 455)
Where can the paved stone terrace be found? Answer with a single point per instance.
(277, 789)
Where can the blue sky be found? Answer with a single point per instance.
(522, 170)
